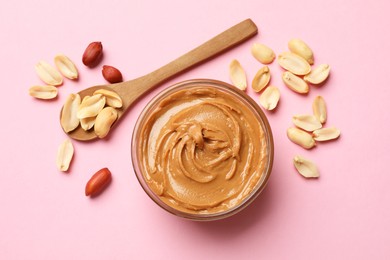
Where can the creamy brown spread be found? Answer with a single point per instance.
(202, 150)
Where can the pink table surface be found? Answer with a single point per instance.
(345, 214)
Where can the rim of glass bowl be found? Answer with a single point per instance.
(231, 90)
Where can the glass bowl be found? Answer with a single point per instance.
(148, 115)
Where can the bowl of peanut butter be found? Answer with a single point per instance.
(202, 149)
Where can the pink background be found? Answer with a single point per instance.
(345, 214)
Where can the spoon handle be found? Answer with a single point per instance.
(220, 43)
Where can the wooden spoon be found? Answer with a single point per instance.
(131, 90)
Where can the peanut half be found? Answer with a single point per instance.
(237, 75)
(300, 48)
(295, 83)
(307, 122)
(305, 167)
(43, 92)
(65, 155)
(66, 66)
(326, 134)
(294, 63)
(87, 123)
(270, 97)
(112, 98)
(48, 73)
(319, 109)
(318, 74)
(261, 79)
(69, 120)
(263, 53)
(300, 137)
(104, 120)
(91, 106)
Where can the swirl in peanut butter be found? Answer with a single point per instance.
(202, 150)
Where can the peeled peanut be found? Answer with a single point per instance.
(307, 122)
(65, 155)
(318, 74)
(270, 97)
(43, 92)
(91, 106)
(66, 66)
(69, 120)
(294, 63)
(104, 120)
(112, 98)
(301, 138)
(48, 73)
(305, 167)
(300, 48)
(295, 83)
(263, 53)
(326, 134)
(319, 109)
(261, 79)
(237, 75)
(87, 123)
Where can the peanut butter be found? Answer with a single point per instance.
(202, 150)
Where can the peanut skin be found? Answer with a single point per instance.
(93, 54)
(98, 182)
(112, 74)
